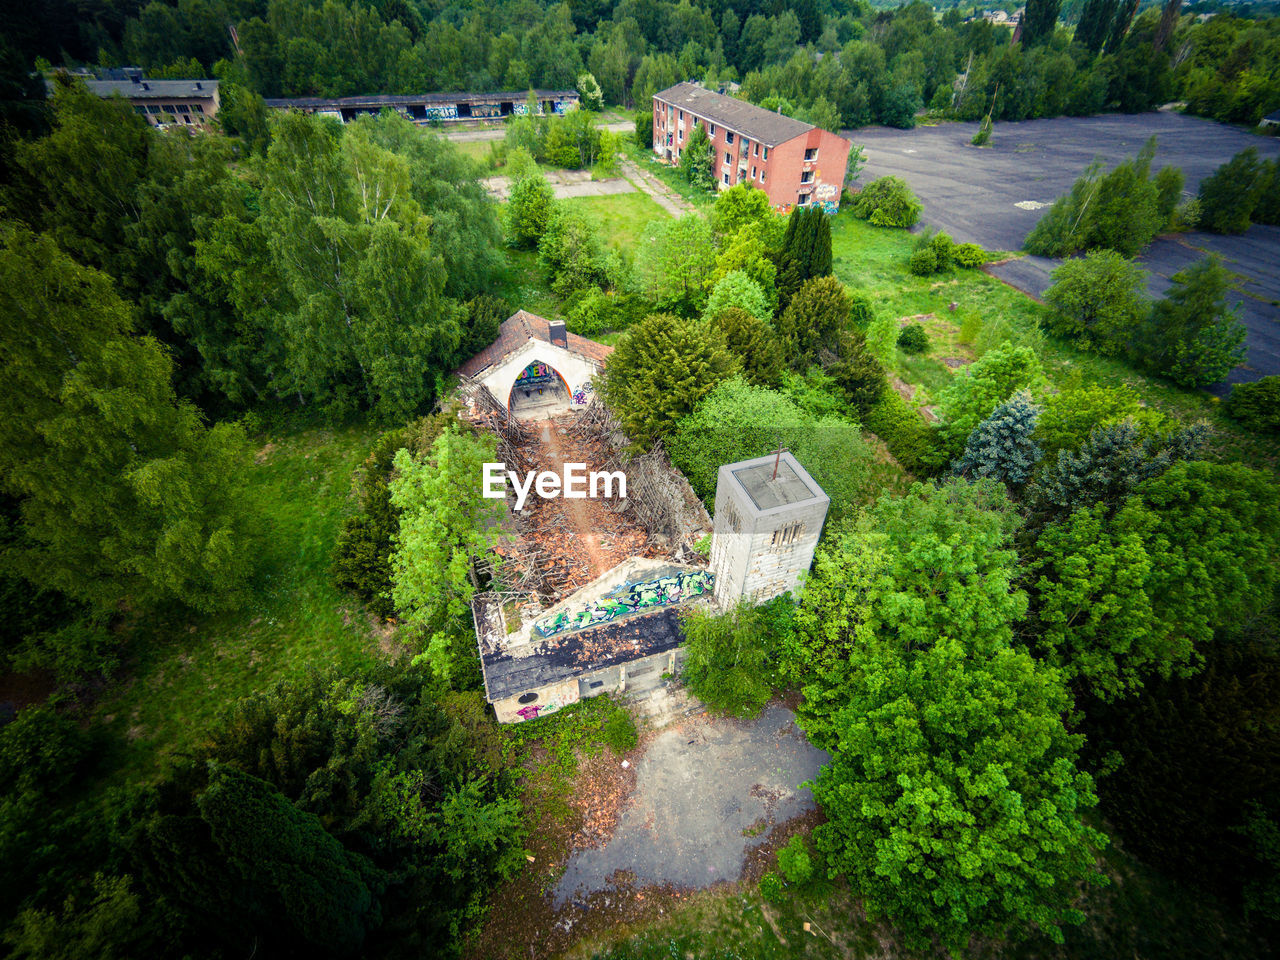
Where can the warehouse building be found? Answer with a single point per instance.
(164, 103)
(435, 107)
(795, 163)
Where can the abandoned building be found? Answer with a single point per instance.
(162, 103)
(584, 596)
(536, 368)
(769, 515)
(795, 163)
(427, 108)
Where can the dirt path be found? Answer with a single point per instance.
(583, 516)
(670, 201)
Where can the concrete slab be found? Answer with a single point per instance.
(700, 786)
(564, 184)
(995, 195)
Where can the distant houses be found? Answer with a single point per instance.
(795, 163)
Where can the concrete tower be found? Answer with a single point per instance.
(769, 514)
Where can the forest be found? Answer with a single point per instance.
(238, 522)
(834, 63)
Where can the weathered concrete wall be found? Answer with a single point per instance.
(761, 554)
(547, 700)
(576, 371)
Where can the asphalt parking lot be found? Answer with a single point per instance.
(995, 195)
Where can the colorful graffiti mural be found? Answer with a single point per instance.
(442, 113)
(627, 598)
(582, 394)
(535, 375)
(534, 710)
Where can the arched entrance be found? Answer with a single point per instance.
(539, 391)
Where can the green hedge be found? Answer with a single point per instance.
(909, 438)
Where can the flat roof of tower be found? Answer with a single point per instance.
(791, 484)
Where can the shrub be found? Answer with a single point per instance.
(592, 311)
(619, 730)
(754, 343)
(729, 659)
(795, 862)
(735, 290)
(909, 438)
(1257, 404)
(970, 256)
(1099, 301)
(772, 888)
(887, 202)
(1229, 195)
(859, 374)
(529, 210)
(913, 339)
(1002, 447)
(1193, 335)
(923, 262)
(860, 310)
(944, 248)
(983, 136)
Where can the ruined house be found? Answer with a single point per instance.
(584, 596)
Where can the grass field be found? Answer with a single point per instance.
(192, 668)
(989, 311)
(477, 150)
(619, 218)
(670, 176)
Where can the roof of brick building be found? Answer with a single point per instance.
(517, 330)
(755, 123)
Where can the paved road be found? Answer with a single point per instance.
(699, 786)
(994, 196)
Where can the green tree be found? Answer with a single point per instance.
(1229, 195)
(284, 855)
(529, 210)
(953, 800)
(1095, 618)
(659, 371)
(644, 127)
(1099, 301)
(754, 343)
(1109, 466)
(675, 261)
(570, 251)
(1039, 22)
(1256, 404)
(1070, 416)
(124, 494)
(981, 387)
(108, 926)
(737, 291)
(887, 202)
(445, 524)
(858, 373)
(814, 320)
(696, 160)
(737, 421)
(1002, 447)
(728, 665)
(365, 320)
(739, 206)
(1193, 335)
(938, 562)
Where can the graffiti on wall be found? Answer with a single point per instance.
(484, 110)
(627, 598)
(535, 375)
(534, 710)
(448, 112)
(582, 394)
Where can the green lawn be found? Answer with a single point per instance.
(619, 218)
(988, 311)
(477, 150)
(190, 668)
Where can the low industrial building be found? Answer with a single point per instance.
(795, 163)
(428, 108)
(164, 103)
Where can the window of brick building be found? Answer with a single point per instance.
(728, 137)
(811, 153)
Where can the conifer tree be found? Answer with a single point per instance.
(1002, 446)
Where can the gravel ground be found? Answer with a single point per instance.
(995, 195)
(705, 791)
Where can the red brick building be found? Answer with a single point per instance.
(795, 163)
